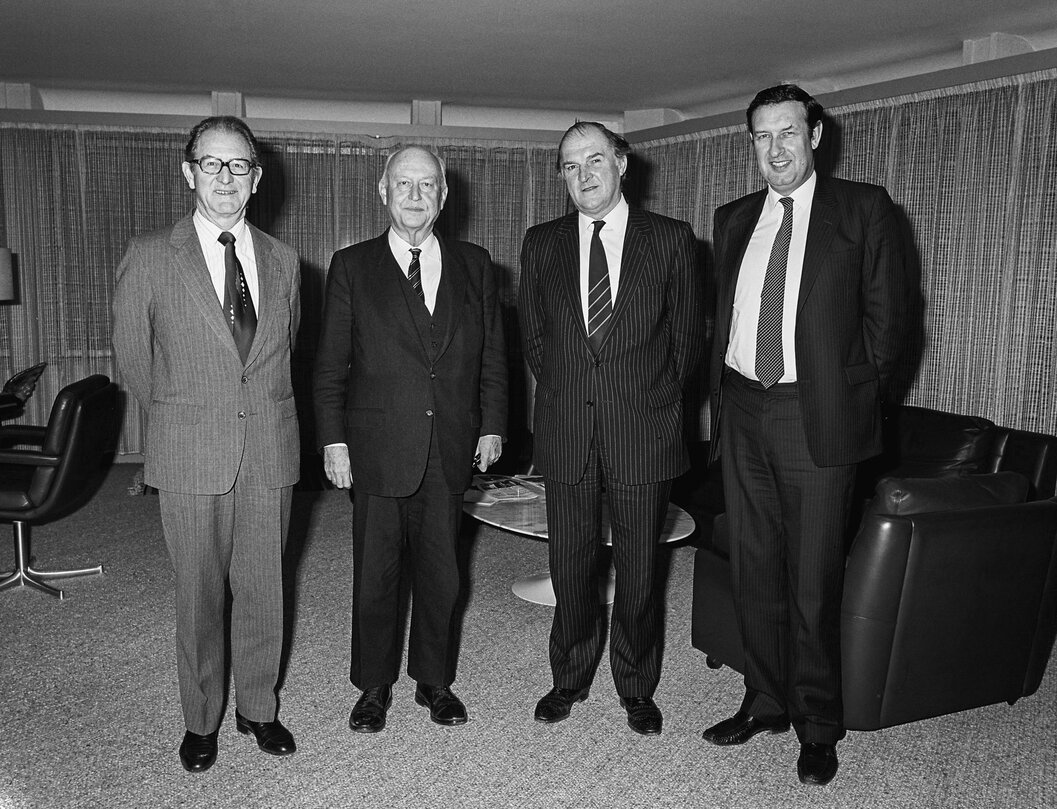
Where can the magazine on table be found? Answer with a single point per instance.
(490, 489)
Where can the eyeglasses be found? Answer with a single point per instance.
(214, 165)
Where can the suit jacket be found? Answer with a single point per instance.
(848, 325)
(632, 391)
(207, 414)
(387, 374)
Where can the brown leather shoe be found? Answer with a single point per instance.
(741, 727)
(643, 715)
(272, 737)
(556, 704)
(817, 763)
(198, 752)
(444, 707)
(368, 714)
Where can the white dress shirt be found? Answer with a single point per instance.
(429, 264)
(208, 233)
(612, 237)
(745, 319)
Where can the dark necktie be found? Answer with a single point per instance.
(599, 296)
(238, 305)
(414, 272)
(770, 366)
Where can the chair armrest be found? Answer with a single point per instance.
(22, 434)
(25, 457)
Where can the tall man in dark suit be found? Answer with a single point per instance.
(205, 315)
(612, 327)
(810, 288)
(410, 383)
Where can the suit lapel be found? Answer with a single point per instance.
(638, 242)
(567, 253)
(822, 226)
(190, 266)
(268, 272)
(451, 294)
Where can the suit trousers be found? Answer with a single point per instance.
(574, 520)
(234, 539)
(420, 531)
(788, 522)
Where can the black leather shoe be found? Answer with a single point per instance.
(741, 727)
(444, 707)
(272, 737)
(368, 714)
(556, 703)
(197, 752)
(643, 715)
(817, 763)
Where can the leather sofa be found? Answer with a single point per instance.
(950, 594)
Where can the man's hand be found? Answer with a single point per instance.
(489, 448)
(337, 467)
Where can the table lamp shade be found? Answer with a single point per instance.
(7, 275)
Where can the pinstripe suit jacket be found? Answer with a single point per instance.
(848, 328)
(207, 415)
(632, 391)
(383, 388)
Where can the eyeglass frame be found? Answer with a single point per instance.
(225, 164)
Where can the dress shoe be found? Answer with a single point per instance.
(817, 763)
(556, 703)
(272, 737)
(444, 707)
(197, 752)
(368, 714)
(741, 727)
(643, 715)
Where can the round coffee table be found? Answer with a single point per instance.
(528, 516)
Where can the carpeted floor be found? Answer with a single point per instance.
(90, 714)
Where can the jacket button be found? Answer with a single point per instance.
(432, 375)
(245, 379)
(590, 404)
(429, 413)
(242, 414)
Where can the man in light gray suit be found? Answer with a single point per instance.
(205, 315)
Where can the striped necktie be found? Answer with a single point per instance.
(414, 272)
(599, 295)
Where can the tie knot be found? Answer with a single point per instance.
(226, 238)
(598, 224)
(787, 202)
(415, 251)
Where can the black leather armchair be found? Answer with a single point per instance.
(944, 610)
(49, 472)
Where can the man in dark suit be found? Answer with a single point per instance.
(205, 315)
(612, 327)
(410, 383)
(810, 288)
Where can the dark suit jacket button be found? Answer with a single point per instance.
(590, 404)
(432, 376)
(245, 379)
(242, 414)
(429, 413)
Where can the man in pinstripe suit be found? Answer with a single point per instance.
(222, 439)
(612, 327)
(800, 373)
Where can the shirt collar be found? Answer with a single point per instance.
(212, 230)
(616, 220)
(801, 196)
(430, 245)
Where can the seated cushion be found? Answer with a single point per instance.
(920, 495)
(931, 443)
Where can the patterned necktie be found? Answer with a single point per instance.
(599, 295)
(770, 366)
(414, 272)
(238, 305)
